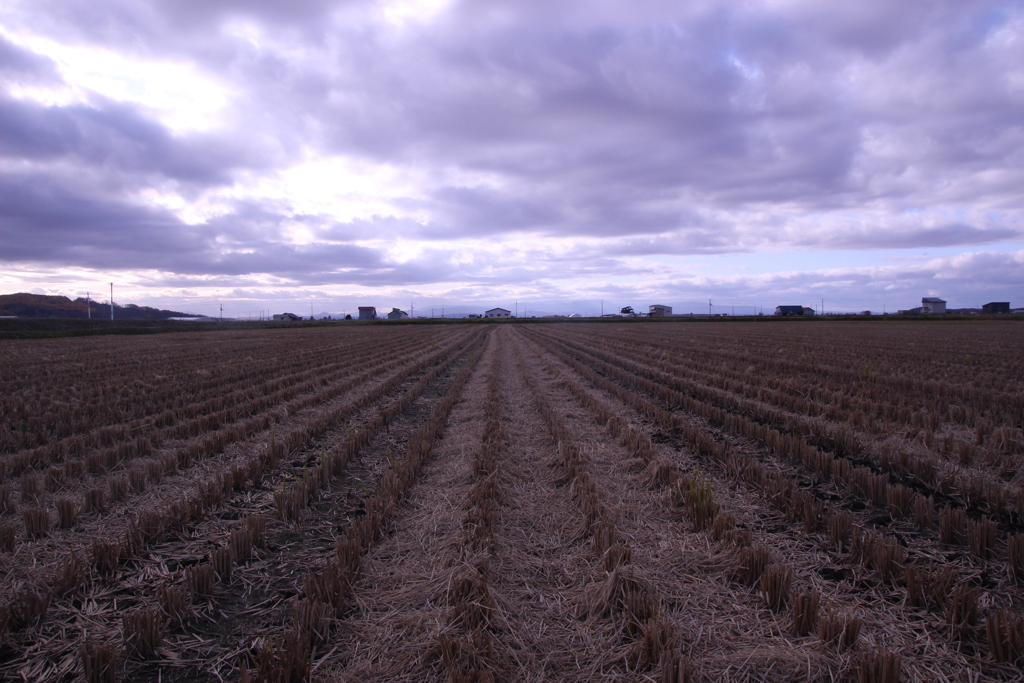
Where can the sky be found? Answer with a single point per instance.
(319, 155)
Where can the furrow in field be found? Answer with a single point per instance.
(778, 486)
(112, 488)
(92, 411)
(172, 508)
(198, 411)
(328, 591)
(729, 631)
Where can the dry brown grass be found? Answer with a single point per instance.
(878, 666)
(928, 586)
(981, 538)
(71, 574)
(805, 612)
(839, 630)
(786, 474)
(752, 563)
(8, 537)
(961, 608)
(100, 661)
(104, 556)
(953, 525)
(37, 522)
(93, 500)
(1015, 557)
(67, 515)
(223, 561)
(200, 581)
(1005, 633)
(173, 601)
(776, 585)
(142, 632)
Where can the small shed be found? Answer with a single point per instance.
(996, 307)
(286, 316)
(498, 313)
(367, 313)
(931, 304)
(789, 310)
(397, 314)
(659, 311)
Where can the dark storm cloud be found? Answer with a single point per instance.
(636, 130)
(950, 235)
(966, 281)
(114, 138)
(169, 26)
(41, 221)
(21, 65)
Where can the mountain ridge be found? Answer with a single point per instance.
(26, 305)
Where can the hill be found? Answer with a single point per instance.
(26, 305)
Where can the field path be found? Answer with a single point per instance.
(537, 568)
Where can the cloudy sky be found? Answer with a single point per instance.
(267, 154)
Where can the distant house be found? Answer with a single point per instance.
(808, 311)
(367, 313)
(498, 313)
(789, 310)
(659, 311)
(397, 314)
(996, 307)
(931, 304)
(286, 316)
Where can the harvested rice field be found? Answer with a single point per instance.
(631, 501)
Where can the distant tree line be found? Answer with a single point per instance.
(26, 305)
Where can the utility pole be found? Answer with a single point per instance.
(709, 308)
(602, 308)
(88, 306)
(222, 312)
(517, 308)
(412, 309)
(111, 302)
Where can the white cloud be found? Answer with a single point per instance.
(181, 96)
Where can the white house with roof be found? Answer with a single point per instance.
(498, 313)
(931, 304)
